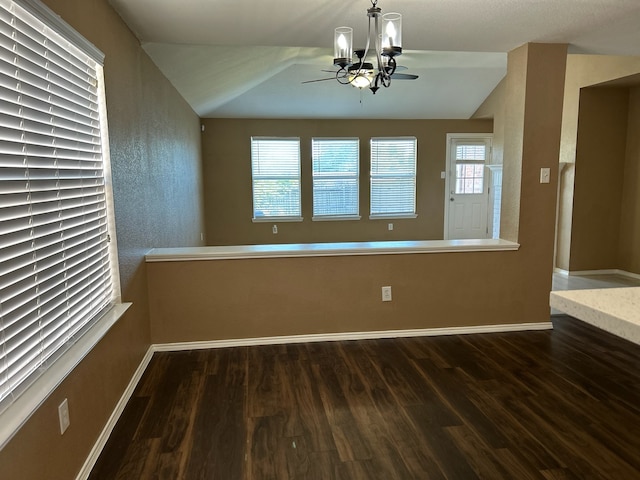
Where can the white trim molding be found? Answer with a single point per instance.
(91, 460)
(584, 273)
(336, 337)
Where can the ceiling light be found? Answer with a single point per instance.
(385, 33)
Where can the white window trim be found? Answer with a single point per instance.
(331, 218)
(28, 400)
(390, 216)
(25, 405)
(276, 219)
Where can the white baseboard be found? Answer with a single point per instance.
(582, 273)
(334, 337)
(91, 460)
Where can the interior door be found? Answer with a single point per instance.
(468, 190)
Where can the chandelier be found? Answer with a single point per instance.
(387, 44)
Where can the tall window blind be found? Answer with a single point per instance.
(335, 164)
(275, 167)
(55, 274)
(393, 176)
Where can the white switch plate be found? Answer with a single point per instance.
(545, 175)
(443, 175)
(63, 416)
(274, 229)
(386, 294)
(390, 226)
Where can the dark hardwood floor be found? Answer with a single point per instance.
(561, 404)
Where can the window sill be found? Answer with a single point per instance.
(16, 414)
(391, 216)
(276, 219)
(336, 218)
(328, 249)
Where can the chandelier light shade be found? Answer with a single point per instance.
(391, 34)
(343, 46)
(384, 43)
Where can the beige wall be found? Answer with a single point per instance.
(582, 71)
(493, 107)
(629, 248)
(264, 297)
(599, 169)
(227, 177)
(155, 152)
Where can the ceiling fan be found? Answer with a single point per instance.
(361, 74)
(387, 45)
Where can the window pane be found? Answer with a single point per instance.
(469, 178)
(393, 176)
(275, 167)
(335, 165)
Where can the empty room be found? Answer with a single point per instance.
(380, 239)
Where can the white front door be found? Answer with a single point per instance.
(467, 199)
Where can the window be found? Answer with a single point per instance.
(275, 170)
(56, 273)
(470, 160)
(335, 178)
(393, 177)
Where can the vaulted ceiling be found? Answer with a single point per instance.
(242, 58)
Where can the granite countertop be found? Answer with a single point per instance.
(616, 310)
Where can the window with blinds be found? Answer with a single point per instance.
(470, 160)
(393, 177)
(55, 270)
(275, 170)
(335, 166)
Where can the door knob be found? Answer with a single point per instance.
(451, 199)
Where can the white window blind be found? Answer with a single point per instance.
(275, 167)
(55, 272)
(393, 176)
(470, 161)
(335, 165)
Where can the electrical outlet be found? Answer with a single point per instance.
(390, 226)
(63, 416)
(386, 294)
(274, 229)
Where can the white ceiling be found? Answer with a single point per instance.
(242, 58)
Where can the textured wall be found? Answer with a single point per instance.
(629, 250)
(227, 177)
(599, 173)
(582, 71)
(155, 156)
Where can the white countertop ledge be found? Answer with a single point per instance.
(327, 249)
(616, 310)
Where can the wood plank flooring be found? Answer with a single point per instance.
(561, 404)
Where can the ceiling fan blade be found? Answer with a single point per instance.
(403, 76)
(319, 80)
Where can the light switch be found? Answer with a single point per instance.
(545, 175)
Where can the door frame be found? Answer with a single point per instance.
(447, 176)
